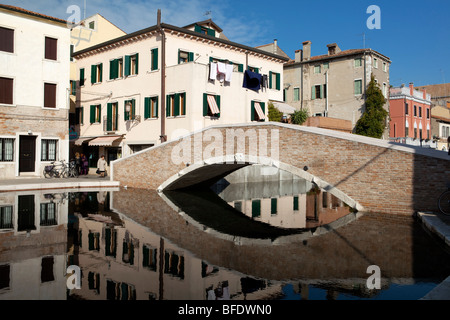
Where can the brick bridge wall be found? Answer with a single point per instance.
(379, 176)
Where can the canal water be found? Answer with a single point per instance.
(279, 240)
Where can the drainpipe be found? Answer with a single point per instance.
(163, 136)
(326, 93)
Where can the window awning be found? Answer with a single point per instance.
(283, 107)
(80, 141)
(104, 141)
(213, 105)
(259, 111)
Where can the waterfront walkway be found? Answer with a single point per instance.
(437, 224)
(32, 183)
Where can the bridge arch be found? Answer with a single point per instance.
(212, 169)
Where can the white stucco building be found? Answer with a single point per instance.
(34, 91)
(138, 90)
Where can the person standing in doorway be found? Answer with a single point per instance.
(84, 164)
(101, 166)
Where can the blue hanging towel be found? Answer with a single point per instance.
(252, 80)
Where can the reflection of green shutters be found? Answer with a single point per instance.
(91, 241)
(273, 205)
(154, 61)
(295, 204)
(145, 254)
(256, 208)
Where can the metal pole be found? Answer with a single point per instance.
(163, 79)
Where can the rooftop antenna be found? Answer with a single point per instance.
(364, 39)
(84, 13)
(208, 13)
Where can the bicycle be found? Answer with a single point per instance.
(56, 170)
(72, 170)
(444, 202)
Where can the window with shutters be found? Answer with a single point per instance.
(97, 73)
(51, 48)
(185, 56)
(49, 95)
(73, 87)
(154, 59)
(318, 91)
(95, 113)
(317, 69)
(358, 87)
(112, 118)
(151, 108)
(176, 104)
(129, 109)
(296, 94)
(6, 90)
(258, 111)
(131, 65)
(358, 62)
(6, 40)
(274, 80)
(211, 105)
(116, 68)
(205, 30)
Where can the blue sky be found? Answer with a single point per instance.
(414, 34)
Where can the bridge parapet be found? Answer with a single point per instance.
(371, 174)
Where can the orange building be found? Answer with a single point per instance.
(410, 113)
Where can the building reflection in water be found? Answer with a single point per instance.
(132, 245)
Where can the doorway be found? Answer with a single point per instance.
(27, 154)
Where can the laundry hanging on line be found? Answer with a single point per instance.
(252, 80)
(220, 71)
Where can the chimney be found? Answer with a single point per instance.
(411, 88)
(424, 94)
(275, 46)
(307, 50)
(333, 48)
(298, 55)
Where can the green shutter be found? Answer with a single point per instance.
(109, 118)
(197, 28)
(136, 69)
(205, 104)
(240, 67)
(321, 92)
(154, 59)
(295, 204)
(179, 61)
(278, 84)
(125, 113)
(167, 106)
(256, 208)
(81, 77)
(176, 109)
(218, 105)
(313, 92)
(270, 79)
(273, 205)
(145, 254)
(133, 110)
(184, 103)
(191, 57)
(74, 88)
(147, 108)
(156, 107)
(93, 74)
(252, 114)
(211, 32)
(127, 65)
(92, 115)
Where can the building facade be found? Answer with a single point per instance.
(34, 91)
(89, 32)
(440, 125)
(410, 113)
(333, 85)
(163, 82)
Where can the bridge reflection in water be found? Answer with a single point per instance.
(238, 243)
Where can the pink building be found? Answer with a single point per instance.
(410, 112)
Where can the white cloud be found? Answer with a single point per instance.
(140, 14)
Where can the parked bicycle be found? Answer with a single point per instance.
(72, 170)
(444, 202)
(56, 170)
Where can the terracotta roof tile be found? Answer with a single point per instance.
(21, 10)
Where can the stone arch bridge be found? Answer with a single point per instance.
(368, 174)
